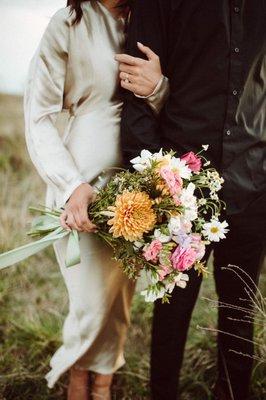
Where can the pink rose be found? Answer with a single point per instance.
(198, 246)
(183, 259)
(193, 161)
(173, 181)
(152, 251)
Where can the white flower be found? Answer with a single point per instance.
(214, 196)
(138, 245)
(215, 230)
(159, 156)
(181, 167)
(151, 294)
(162, 237)
(202, 202)
(107, 213)
(174, 225)
(180, 280)
(189, 201)
(143, 161)
(205, 147)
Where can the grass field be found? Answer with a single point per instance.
(33, 300)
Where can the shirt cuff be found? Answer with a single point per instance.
(158, 97)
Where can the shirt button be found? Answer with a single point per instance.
(235, 92)
(228, 132)
(236, 9)
(236, 50)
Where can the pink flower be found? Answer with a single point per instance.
(198, 245)
(163, 272)
(193, 161)
(183, 259)
(152, 251)
(173, 181)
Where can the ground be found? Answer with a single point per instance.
(33, 300)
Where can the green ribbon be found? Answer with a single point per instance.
(73, 250)
(50, 226)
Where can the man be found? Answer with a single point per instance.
(208, 49)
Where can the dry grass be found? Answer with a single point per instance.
(33, 299)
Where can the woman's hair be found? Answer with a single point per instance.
(75, 6)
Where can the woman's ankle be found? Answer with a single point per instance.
(101, 388)
(78, 388)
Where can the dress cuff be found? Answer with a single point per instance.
(158, 97)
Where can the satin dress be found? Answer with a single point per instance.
(74, 69)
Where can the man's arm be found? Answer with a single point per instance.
(140, 126)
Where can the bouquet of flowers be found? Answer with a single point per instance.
(157, 219)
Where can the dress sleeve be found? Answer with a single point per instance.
(43, 101)
(157, 99)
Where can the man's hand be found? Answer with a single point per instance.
(75, 215)
(137, 75)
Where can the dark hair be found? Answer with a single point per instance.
(75, 6)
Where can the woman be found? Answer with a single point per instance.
(74, 69)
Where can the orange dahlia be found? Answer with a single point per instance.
(133, 216)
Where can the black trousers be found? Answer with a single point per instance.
(244, 247)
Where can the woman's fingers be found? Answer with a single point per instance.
(129, 69)
(71, 221)
(128, 60)
(84, 222)
(129, 86)
(147, 51)
(138, 75)
(127, 77)
(63, 218)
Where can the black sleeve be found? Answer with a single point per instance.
(139, 125)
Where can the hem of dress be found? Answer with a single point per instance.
(51, 381)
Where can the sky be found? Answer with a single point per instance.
(22, 25)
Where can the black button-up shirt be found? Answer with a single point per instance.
(213, 52)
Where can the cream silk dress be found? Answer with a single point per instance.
(74, 69)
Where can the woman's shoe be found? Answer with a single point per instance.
(78, 388)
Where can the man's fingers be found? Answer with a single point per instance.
(147, 51)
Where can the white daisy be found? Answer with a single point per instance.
(215, 230)
(181, 167)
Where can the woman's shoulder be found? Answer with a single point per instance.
(64, 16)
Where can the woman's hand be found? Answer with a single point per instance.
(75, 215)
(137, 75)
